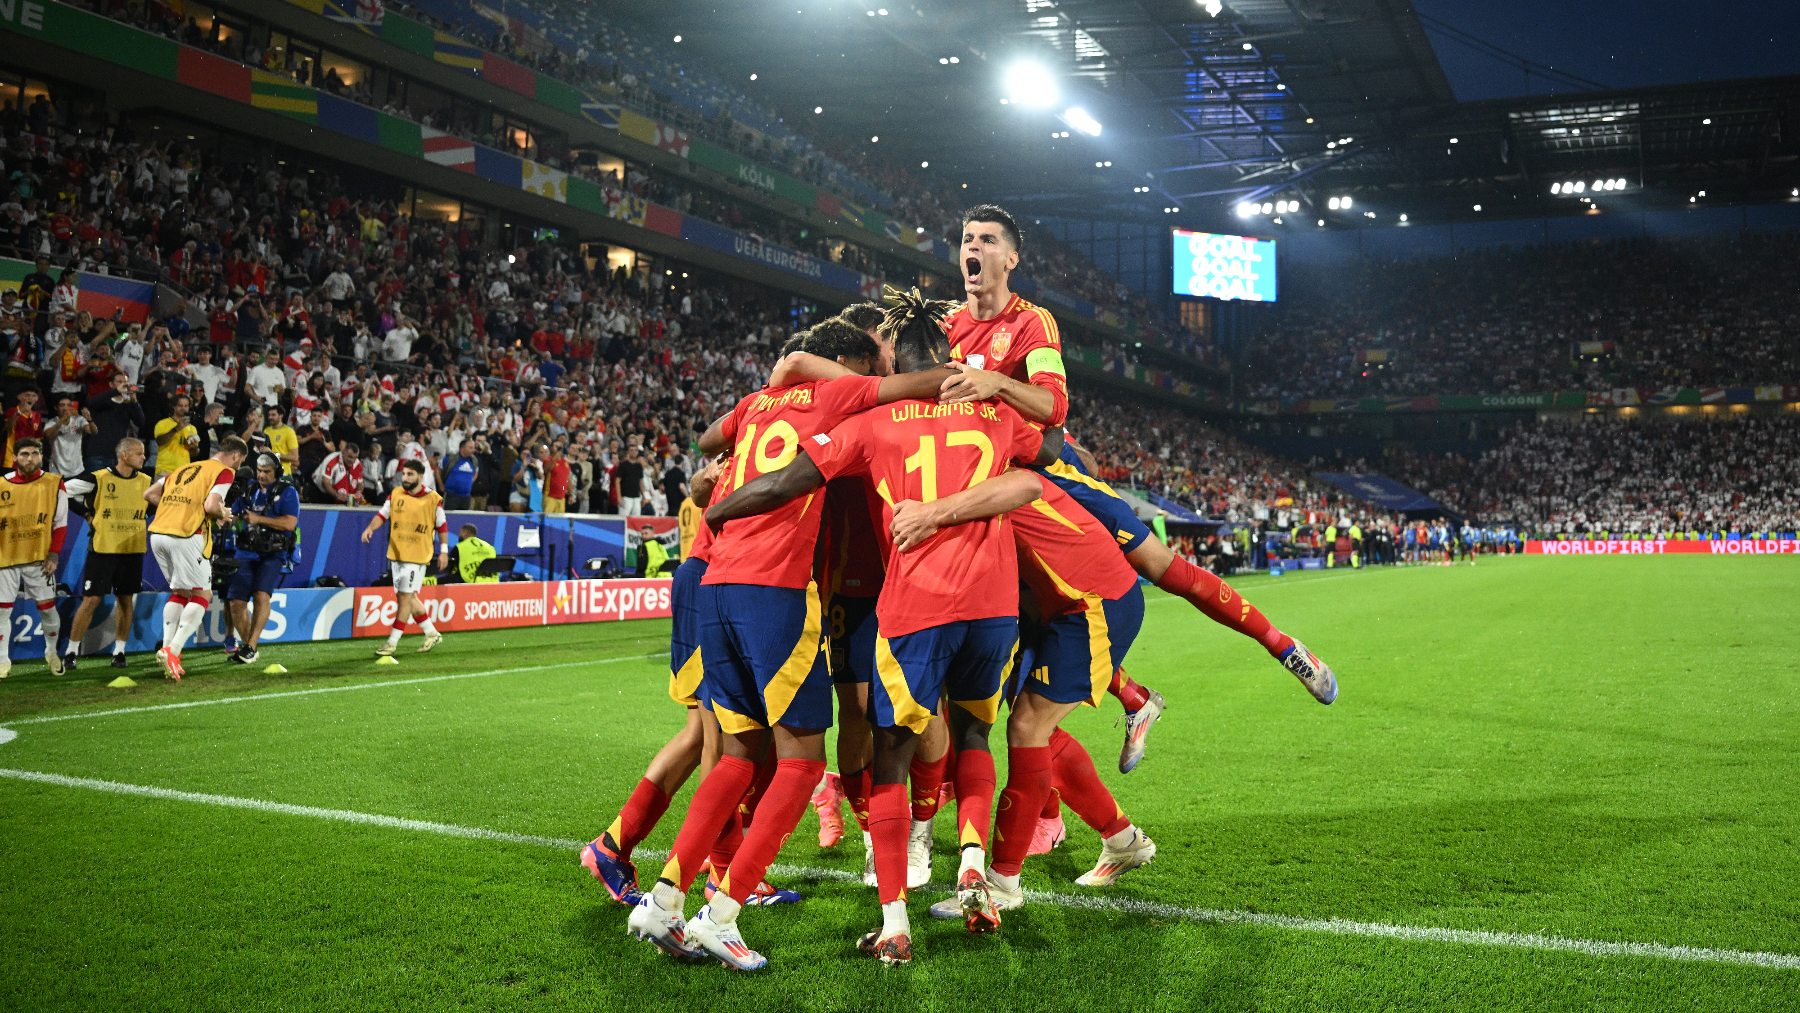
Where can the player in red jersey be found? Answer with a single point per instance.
(1011, 349)
(761, 653)
(1087, 610)
(853, 547)
(947, 612)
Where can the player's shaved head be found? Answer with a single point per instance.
(915, 325)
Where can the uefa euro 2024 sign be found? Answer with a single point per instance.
(1224, 267)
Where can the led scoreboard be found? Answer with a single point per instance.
(1224, 267)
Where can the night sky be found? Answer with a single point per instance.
(1619, 45)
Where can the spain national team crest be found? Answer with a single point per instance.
(1002, 341)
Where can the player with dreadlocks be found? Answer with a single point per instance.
(947, 613)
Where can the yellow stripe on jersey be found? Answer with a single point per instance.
(1100, 667)
(1063, 469)
(1054, 514)
(779, 694)
(733, 723)
(1062, 586)
(684, 682)
(908, 713)
(1051, 334)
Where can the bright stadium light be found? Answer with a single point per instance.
(1556, 188)
(818, 109)
(1082, 120)
(1478, 207)
(1030, 84)
(1403, 216)
(1213, 8)
(1345, 202)
(1245, 209)
(1267, 208)
(1335, 203)
(677, 38)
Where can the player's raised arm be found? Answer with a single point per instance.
(915, 522)
(799, 367)
(766, 492)
(718, 436)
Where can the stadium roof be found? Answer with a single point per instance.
(1268, 99)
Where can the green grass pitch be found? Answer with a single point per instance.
(1595, 750)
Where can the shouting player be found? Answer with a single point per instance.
(188, 500)
(1008, 348)
(417, 519)
(947, 613)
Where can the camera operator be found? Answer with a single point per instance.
(268, 515)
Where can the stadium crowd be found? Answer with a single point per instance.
(1610, 475)
(1653, 312)
(375, 337)
(649, 78)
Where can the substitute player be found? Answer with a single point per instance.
(115, 562)
(947, 613)
(34, 519)
(761, 649)
(187, 501)
(417, 520)
(1010, 349)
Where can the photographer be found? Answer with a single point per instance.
(268, 515)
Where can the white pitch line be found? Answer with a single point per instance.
(251, 697)
(1109, 904)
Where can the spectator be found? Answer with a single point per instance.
(176, 437)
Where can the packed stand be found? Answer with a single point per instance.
(1677, 312)
(1616, 475)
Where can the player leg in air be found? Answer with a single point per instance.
(1213, 597)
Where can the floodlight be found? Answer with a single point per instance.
(1030, 84)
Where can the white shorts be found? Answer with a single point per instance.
(26, 580)
(408, 577)
(182, 560)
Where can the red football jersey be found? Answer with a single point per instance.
(923, 450)
(1022, 342)
(852, 561)
(1065, 554)
(775, 549)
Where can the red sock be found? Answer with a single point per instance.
(856, 792)
(714, 803)
(1079, 785)
(1132, 695)
(888, 827)
(634, 823)
(1027, 783)
(1222, 604)
(926, 777)
(790, 791)
(974, 796)
(759, 786)
(725, 846)
(1052, 805)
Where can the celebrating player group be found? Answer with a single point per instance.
(901, 539)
